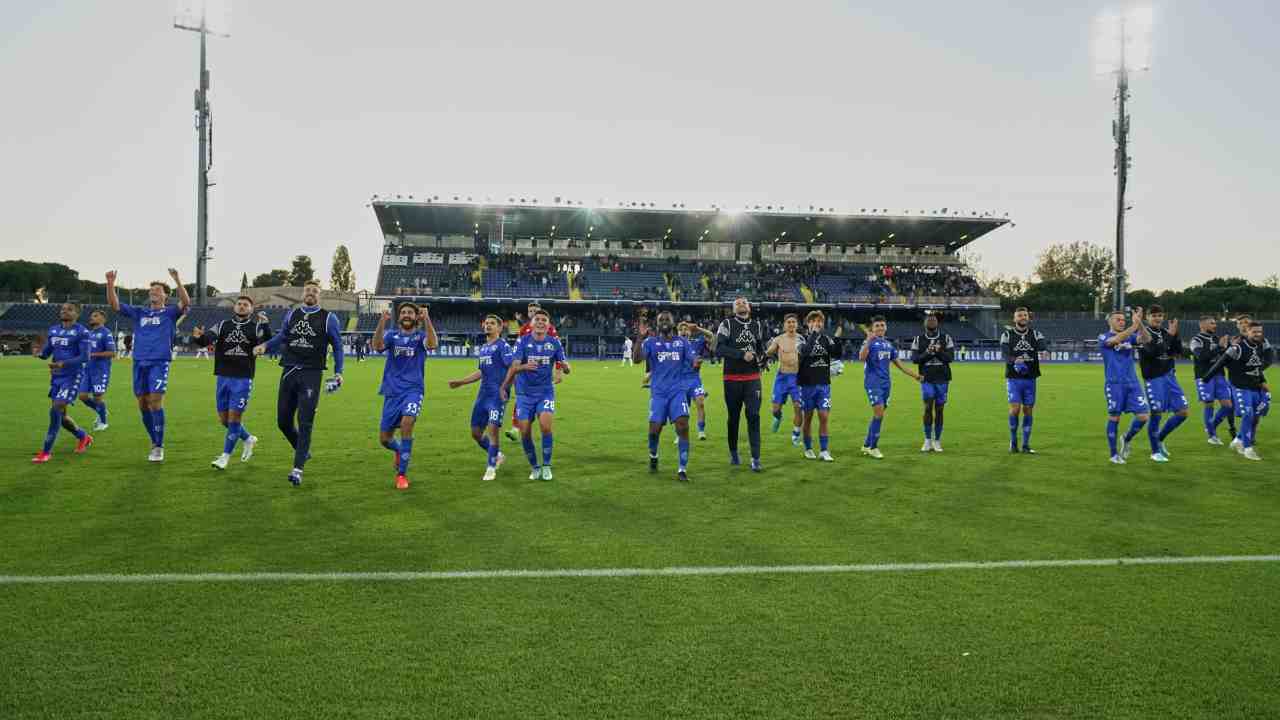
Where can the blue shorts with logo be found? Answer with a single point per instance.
(696, 390)
(1164, 394)
(934, 392)
(878, 394)
(1125, 398)
(65, 388)
(95, 382)
(150, 377)
(815, 397)
(533, 403)
(399, 406)
(1021, 391)
(1250, 403)
(232, 393)
(1214, 388)
(488, 410)
(786, 385)
(668, 406)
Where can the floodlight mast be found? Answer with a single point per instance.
(1120, 132)
(203, 127)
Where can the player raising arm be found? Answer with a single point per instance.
(539, 362)
(495, 358)
(1246, 360)
(234, 366)
(1120, 383)
(1206, 347)
(403, 380)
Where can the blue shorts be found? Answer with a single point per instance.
(1164, 394)
(488, 410)
(696, 390)
(233, 393)
(1265, 406)
(94, 382)
(1250, 403)
(150, 377)
(1125, 398)
(786, 385)
(534, 403)
(66, 388)
(399, 406)
(1214, 388)
(878, 394)
(668, 407)
(936, 392)
(1021, 391)
(815, 397)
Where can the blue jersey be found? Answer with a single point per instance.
(545, 353)
(100, 340)
(1117, 361)
(153, 330)
(698, 346)
(495, 359)
(406, 362)
(879, 356)
(69, 346)
(671, 362)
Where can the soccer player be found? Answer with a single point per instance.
(627, 348)
(1157, 358)
(302, 342)
(97, 374)
(669, 357)
(740, 341)
(234, 365)
(1206, 347)
(525, 329)
(817, 353)
(1243, 324)
(933, 353)
(785, 347)
(539, 362)
(403, 379)
(703, 342)
(1021, 346)
(495, 358)
(154, 328)
(1246, 360)
(68, 344)
(1124, 394)
(878, 353)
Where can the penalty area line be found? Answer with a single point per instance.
(423, 575)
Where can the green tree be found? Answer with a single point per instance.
(275, 278)
(302, 270)
(1058, 296)
(341, 276)
(1272, 281)
(244, 280)
(1080, 262)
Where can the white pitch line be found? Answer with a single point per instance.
(413, 576)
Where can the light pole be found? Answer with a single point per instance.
(204, 130)
(1124, 45)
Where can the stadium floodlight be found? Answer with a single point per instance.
(1123, 46)
(209, 18)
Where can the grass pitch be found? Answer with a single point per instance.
(1150, 641)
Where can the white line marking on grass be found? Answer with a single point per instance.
(411, 576)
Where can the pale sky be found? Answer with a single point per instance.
(904, 105)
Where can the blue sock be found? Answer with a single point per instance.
(1210, 423)
(1172, 425)
(102, 410)
(1026, 431)
(547, 442)
(244, 434)
(653, 444)
(1224, 413)
(406, 450)
(493, 454)
(928, 431)
(1135, 427)
(526, 441)
(795, 431)
(822, 442)
(702, 426)
(684, 451)
(937, 429)
(157, 418)
(1231, 420)
(1013, 430)
(149, 423)
(875, 431)
(483, 442)
(233, 436)
(393, 445)
(1113, 429)
(808, 442)
(1153, 432)
(55, 422)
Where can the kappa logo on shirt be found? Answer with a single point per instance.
(237, 336)
(745, 337)
(302, 327)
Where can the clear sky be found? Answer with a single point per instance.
(904, 105)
